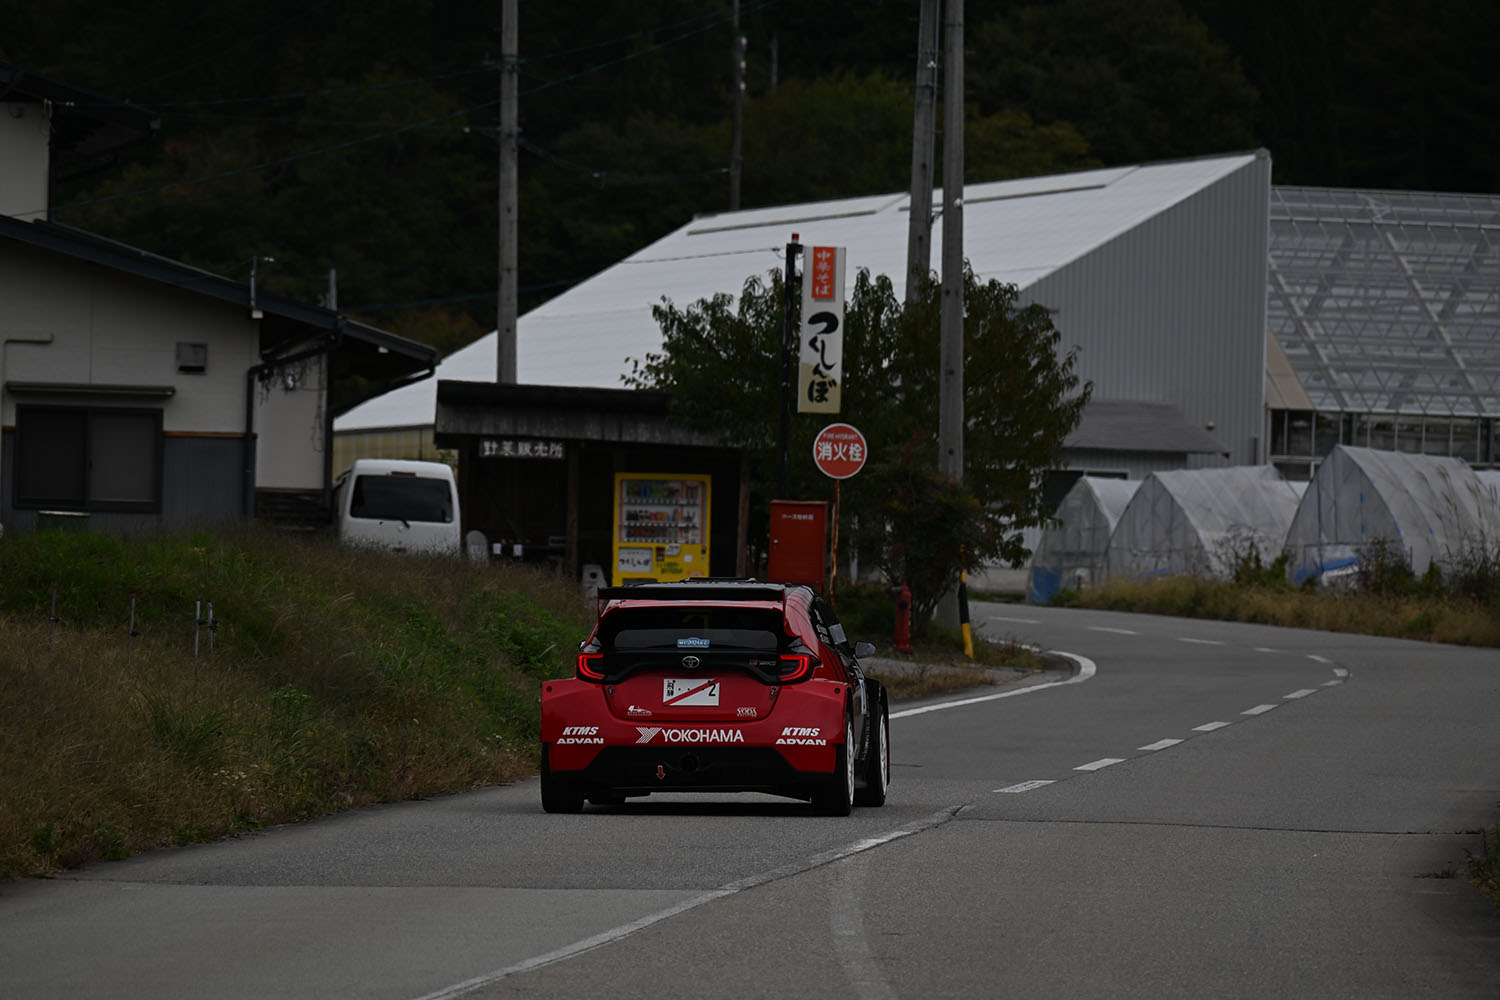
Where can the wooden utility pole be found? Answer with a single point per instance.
(505, 323)
(951, 359)
(737, 134)
(924, 127)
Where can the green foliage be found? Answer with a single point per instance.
(1021, 398)
(1151, 84)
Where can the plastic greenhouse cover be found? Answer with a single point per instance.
(1071, 550)
(1203, 521)
(1429, 508)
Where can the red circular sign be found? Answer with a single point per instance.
(839, 451)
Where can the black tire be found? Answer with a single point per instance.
(878, 760)
(558, 794)
(836, 797)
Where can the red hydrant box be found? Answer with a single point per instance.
(799, 543)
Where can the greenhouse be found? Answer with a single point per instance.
(1202, 522)
(1072, 548)
(1430, 508)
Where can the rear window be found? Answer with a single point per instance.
(402, 498)
(627, 629)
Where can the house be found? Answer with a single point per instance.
(137, 391)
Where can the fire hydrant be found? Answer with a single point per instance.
(902, 641)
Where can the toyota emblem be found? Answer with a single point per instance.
(690, 662)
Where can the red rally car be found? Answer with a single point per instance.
(716, 686)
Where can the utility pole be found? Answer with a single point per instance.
(951, 357)
(924, 126)
(505, 324)
(737, 134)
(790, 327)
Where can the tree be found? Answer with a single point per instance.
(1140, 81)
(721, 361)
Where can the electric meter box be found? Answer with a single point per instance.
(799, 543)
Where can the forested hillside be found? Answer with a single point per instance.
(362, 135)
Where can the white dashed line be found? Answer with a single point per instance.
(1266, 649)
(1025, 786)
(1159, 745)
(1100, 763)
(1258, 710)
(1299, 694)
(1330, 684)
(1320, 659)
(1209, 727)
(1200, 642)
(1116, 631)
(1339, 672)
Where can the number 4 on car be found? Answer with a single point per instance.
(716, 686)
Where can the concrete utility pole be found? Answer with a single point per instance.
(951, 358)
(505, 323)
(737, 134)
(924, 127)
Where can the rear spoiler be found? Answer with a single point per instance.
(701, 589)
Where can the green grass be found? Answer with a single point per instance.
(337, 678)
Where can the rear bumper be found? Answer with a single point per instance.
(640, 770)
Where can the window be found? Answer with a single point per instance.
(402, 498)
(88, 458)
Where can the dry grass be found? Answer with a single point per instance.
(1430, 618)
(338, 678)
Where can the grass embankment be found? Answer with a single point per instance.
(1433, 617)
(337, 678)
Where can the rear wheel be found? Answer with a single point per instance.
(836, 797)
(559, 795)
(878, 761)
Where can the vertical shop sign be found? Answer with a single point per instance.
(820, 375)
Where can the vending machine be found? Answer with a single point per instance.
(661, 527)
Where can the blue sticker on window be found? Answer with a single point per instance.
(691, 643)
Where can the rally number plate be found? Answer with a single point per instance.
(689, 691)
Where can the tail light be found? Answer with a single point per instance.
(590, 666)
(795, 667)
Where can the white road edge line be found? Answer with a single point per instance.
(1116, 631)
(1199, 642)
(1102, 762)
(1086, 670)
(1019, 621)
(1159, 745)
(625, 930)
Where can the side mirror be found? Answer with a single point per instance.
(863, 649)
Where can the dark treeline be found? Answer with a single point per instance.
(362, 135)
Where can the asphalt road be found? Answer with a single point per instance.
(1198, 810)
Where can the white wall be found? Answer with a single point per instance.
(290, 426)
(24, 135)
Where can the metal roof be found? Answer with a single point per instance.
(1016, 231)
(1388, 301)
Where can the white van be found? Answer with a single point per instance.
(401, 505)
